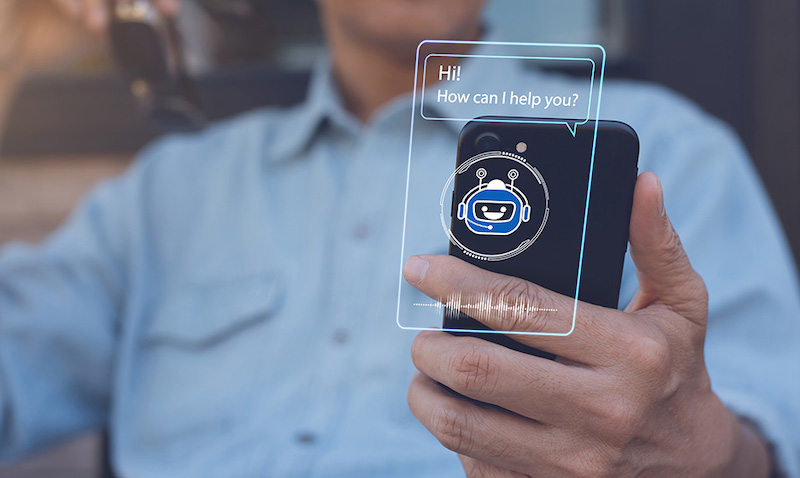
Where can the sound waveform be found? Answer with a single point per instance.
(485, 305)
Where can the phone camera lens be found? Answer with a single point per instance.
(487, 142)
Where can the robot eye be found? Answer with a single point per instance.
(503, 209)
(485, 208)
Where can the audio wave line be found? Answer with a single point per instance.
(485, 305)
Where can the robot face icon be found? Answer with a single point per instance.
(503, 214)
(495, 207)
(498, 211)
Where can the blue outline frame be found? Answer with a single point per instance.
(588, 188)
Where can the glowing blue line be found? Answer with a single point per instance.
(408, 184)
(507, 57)
(466, 42)
(489, 331)
(588, 190)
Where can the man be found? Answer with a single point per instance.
(222, 307)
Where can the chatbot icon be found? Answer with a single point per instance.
(494, 207)
(499, 205)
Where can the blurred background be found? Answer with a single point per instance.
(70, 116)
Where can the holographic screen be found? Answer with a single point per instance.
(475, 192)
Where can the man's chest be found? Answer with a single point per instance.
(272, 315)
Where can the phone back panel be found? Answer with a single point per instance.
(562, 162)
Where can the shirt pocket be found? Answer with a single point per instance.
(198, 362)
(202, 317)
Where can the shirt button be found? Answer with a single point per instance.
(341, 337)
(361, 231)
(306, 438)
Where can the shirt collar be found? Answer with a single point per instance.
(300, 124)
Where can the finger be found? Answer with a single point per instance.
(665, 274)
(537, 388)
(510, 304)
(480, 469)
(95, 15)
(70, 7)
(479, 431)
(168, 8)
(502, 302)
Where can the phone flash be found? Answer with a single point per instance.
(522, 147)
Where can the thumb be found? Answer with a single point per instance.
(169, 8)
(662, 267)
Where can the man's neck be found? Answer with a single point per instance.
(368, 78)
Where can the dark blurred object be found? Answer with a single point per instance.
(147, 49)
(261, 51)
(740, 60)
(279, 32)
(64, 115)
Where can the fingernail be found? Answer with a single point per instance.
(661, 209)
(415, 269)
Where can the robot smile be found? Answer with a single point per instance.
(494, 211)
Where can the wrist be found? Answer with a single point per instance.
(752, 456)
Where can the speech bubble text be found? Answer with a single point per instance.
(452, 89)
(511, 97)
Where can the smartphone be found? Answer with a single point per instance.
(519, 204)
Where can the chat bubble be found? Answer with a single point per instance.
(447, 93)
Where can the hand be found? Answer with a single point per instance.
(94, 13)
(629, 394)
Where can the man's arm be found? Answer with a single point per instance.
(59, 306)
(628, 396)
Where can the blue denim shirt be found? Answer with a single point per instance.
(226, 307)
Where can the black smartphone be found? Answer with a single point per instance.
(519, 207)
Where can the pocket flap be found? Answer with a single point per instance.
(201, 316)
